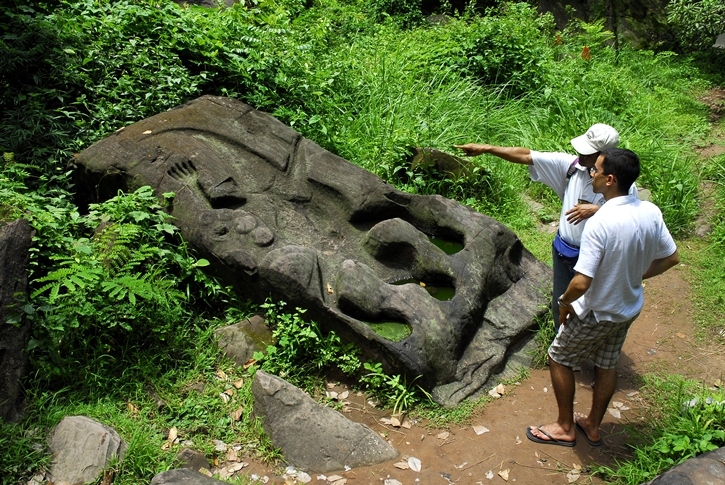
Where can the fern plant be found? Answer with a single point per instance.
(119, 288)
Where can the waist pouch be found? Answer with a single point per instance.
(564, 249)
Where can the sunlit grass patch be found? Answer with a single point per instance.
(681, 419)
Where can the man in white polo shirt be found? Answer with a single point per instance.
(625, 242)
(568, 176)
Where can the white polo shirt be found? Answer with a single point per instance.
(550, 168)
(618, 245)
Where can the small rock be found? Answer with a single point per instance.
(479, 430)
(303, 477)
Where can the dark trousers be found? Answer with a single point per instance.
(563, 274)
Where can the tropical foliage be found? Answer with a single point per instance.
(122, 311)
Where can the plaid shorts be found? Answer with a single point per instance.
(582, 338)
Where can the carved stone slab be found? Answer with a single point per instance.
(277, 214)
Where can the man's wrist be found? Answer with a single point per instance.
(562, 303)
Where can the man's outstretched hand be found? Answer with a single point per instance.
(473, 149)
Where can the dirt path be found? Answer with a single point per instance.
(661, 339)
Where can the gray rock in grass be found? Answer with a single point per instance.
(192, 460)
(706, 469)
(82, 448)
(241, 340)
(313, 437)
(184, 476)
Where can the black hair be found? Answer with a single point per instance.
(623, 164)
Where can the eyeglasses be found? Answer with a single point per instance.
(594, 170)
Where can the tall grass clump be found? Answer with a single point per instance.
(427, 90)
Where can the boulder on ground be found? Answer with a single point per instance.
(410, 279)
(241, 340)
(445, 164)
(15, 240)
(706, 469)
(313, 437)
(82, 448)
(192, 459)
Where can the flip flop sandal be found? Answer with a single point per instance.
(550, 441)
(579, 428)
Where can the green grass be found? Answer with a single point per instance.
(143, 411)
(707, 276)
(708, 290)
(683, 418)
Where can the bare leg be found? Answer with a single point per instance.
(604, 386)
(562, 379)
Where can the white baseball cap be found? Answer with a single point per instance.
(597, 138)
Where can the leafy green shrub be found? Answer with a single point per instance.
(393, 390)
(302, 351)
(405, 12)
(508, 49)
(697, 23)
(77, 73)
(34, 125)
(116, 290)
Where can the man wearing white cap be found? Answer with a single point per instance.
(568, 176)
